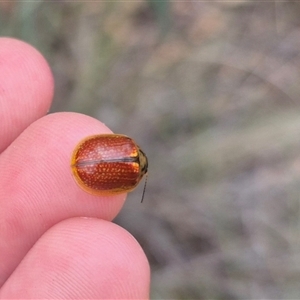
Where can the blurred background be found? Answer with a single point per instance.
(210, 91)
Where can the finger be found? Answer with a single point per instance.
(37, 189)
(26, 88)
(82, 259)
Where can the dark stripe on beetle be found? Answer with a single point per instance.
(114, 160)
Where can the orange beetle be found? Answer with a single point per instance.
(109, 164)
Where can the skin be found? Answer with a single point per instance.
(56, 241)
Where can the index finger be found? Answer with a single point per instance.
(26, 88)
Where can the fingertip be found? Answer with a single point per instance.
(82, 258)
(26, 88)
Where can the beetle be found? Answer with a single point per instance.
(108, 164)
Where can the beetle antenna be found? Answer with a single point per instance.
(144, 187)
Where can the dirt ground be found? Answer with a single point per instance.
(210, 90)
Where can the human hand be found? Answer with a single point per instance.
(56, 241)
